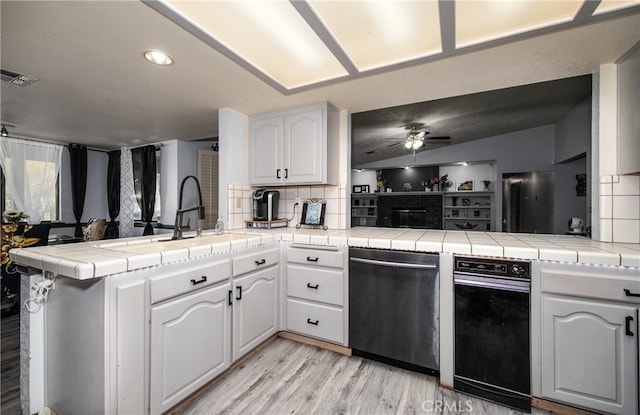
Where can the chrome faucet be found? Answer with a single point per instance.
(177, 227)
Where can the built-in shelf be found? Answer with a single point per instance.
(364, 209)
(469, 211)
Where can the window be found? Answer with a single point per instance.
(30, 178)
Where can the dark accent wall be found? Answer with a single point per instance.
(414, 175)
(432, 203)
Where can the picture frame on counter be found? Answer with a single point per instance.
(365, 188)
(465, 186)
(357, 189)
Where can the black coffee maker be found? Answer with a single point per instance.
(265, 204)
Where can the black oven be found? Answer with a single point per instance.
(408, 218)
(492, 357)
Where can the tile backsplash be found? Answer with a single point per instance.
(620, 208)
(240, 204)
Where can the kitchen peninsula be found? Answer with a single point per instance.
(138, 278)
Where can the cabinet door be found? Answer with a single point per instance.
(189, 344)
(304, 144)
(266, 150)
(588, 358)
(254, 309)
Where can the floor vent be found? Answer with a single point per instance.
(17, 78)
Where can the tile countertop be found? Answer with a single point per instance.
(101, 258)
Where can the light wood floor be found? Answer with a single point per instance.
(287, 377)
(10, 365)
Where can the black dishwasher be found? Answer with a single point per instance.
(393, 308)
(492, 358)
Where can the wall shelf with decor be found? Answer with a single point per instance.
(364, 209)
(468, 211)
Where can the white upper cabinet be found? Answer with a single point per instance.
(295, 146)
(628, 120)
(266, 149)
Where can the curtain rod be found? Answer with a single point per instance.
(148, 144)
(42, 141)
(34, 140)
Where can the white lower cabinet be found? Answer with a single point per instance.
(255, 311)
(317, 292)
(316, 320)
(189, 344)
(585, 334)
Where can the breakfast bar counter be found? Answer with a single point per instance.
(101, 258)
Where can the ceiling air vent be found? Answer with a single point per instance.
(17, 78)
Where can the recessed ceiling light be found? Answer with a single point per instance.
(158, 57)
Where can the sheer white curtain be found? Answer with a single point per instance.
(31, 170)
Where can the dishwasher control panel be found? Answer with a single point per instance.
(499, 267)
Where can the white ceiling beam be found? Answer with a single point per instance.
(307, 13)
(447, 25)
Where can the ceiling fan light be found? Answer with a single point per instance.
(408, 144)
(417, 144)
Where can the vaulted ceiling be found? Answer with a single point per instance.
(94, 87)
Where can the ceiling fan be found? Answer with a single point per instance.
(417, 139)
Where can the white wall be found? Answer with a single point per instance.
(615, 197)
(567, 203)
(364, 177)
(169, 160)
(475, 172)
(573, 132)
(233, 166)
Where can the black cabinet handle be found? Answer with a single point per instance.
(312, 259)
(286, 173)
(200, 281)
(315, 323)
(230, 297)
(627, 325)
(628, 293)
(239, 288)
(262, 261)
(277, 173)
(315, 287)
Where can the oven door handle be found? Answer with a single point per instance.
(394, 264)
(492, 283)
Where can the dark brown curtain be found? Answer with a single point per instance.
(144, 181)
(113, 194)
(78, 162)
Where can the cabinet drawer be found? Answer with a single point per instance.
(622, 284)
(322, 322)
(317, 284)
(317, 257)
(188, 279)
(255, 260)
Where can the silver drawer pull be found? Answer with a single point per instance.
(200, 281)
(315, 287)
(315, 323)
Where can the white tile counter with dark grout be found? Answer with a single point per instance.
(99, 259)
(103, 312)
